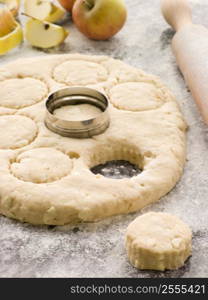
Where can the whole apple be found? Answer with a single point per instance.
(67, 4)
(99, 19)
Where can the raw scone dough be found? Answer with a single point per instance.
(158, 241)
(21, 92)
(41, 165)
(77, 112)
(46, 178)
(144, 96)
(69, 72)
(16, 131)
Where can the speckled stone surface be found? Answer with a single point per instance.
(97, 249)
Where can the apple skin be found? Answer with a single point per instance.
(67, 4)
(99, 19)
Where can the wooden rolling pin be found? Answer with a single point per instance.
(190, 46)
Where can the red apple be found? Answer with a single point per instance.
(67, 4)
(99, 19)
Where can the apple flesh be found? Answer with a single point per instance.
(67, 4)
(43, 34)
(44, 10)
(12, 5)
(99, 19)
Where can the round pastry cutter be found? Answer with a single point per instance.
(76, 96)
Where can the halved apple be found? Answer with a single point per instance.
(43, 10)
(12, 5)
(11, 34)
(43, 34)
(67, 4)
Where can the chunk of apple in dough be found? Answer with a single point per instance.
(43, 10)
(43, 34)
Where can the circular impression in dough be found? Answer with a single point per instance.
(77, 112)
(41, 165)
(79, 72)
(158, 241)
(48, 179)
(16, 131)
(21, 92)
(136, 96)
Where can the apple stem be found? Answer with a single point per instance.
(88, 4)
(42, 1)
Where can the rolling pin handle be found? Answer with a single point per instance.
(177, 13)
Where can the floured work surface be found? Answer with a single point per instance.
(47, 179)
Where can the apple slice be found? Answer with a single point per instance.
(12, 5)
(7, 22)
(11, 34)
(43, 10)
(57, 13)
(43, 34)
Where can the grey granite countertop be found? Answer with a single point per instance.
(97, 249)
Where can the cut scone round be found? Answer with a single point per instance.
(158, 241)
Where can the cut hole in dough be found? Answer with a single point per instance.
(136, 96)
(16, 131)
(22, 92)
(79, 72)
(41, 165)
(117, 169)
(116, 160)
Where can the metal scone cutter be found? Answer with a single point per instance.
(75, 96)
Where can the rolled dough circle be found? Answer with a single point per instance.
(41, 165)
(16, 131)
(136, 96)
(46, 178)
(77, 112)
(79, 72)
(22, 92)
(158, 241)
